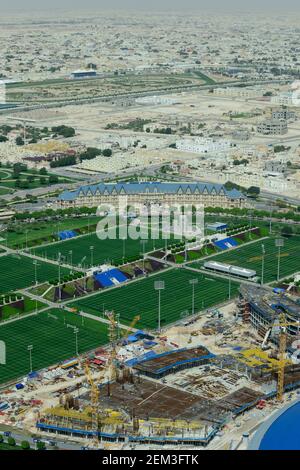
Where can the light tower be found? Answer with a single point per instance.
(279, 242)
(193, 283)
(159, 286)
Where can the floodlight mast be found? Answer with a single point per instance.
(193, 283)
(159, 286)
(279, 242)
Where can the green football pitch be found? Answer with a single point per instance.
(140, 298)
(250, 256)
(79, 249)
(18, 272)
(51, 338)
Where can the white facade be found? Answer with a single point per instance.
(202, 145)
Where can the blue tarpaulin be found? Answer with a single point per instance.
(226, 243)
(66, 234)
(110, 278)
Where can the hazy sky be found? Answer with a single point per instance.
(28, 5)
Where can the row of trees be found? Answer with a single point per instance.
(92, 152)
(51, 213)
(26, 184)
(64, 131)
(68, 160)
(25, 445)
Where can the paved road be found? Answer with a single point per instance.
(60, 444)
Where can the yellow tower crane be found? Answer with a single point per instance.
(114, 340)
(283, 324)
(94, 399)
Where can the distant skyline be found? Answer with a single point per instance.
(153, 5)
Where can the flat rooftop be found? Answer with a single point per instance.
(167, 361)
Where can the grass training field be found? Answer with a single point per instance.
(9, 311)
(37, 233)
(17, 272)
(140, 298)
(104, 250)
(51, 339)
(250, 256)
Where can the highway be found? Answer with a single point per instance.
(133, 95)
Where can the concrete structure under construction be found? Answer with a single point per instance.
(262, 307)
(273, 127)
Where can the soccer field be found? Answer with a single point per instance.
(17, 272)
(108, 250)
(250, 256)
(51, 339)
(140, 298)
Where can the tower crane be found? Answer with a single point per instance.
(283, 324)
(114, 340)
(94, 399)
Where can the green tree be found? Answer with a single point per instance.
(53, 179)
(30, 178)
(253, 191)
(25, 445)
(11, 441)
(41, 445)
(19, 141)
(287, 231)
(107, 153)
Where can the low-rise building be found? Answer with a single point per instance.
(273, 127)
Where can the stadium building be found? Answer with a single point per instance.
(261, 308)
(211, 195)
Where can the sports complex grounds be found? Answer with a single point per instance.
(264, 254)
(140, 298)
(50, 331)
(89, 250)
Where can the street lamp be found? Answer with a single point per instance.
(71, 257)
(159, 286)
(262, 263)
(76, 331)
(59, 276)
(229, 287)
(35, 264)
(143, 242)
(124, 252)
(250, 219)
(279, 242)
(271, 211)
(30, 348)
(92, 255)
(193, 283)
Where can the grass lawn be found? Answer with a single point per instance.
(29, 306)
(52, 341)
(4, 174)
(45, 232)
(140, 298)
(17, 272)
(104, 250)
(4, 191)
(250, 256)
